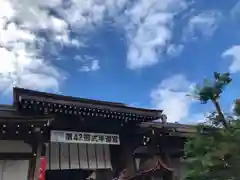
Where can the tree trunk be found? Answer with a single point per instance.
(219, 111)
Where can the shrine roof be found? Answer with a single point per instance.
(20, 93)
(10, 114)
(183, 129)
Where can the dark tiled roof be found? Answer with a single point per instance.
(5, 107)
(83, 101)
(9, 113)
(182, 128)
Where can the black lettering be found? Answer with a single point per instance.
(80, 137)
(108, 139)
(101, 138)
(75, 137)
(86, 137)
(115, 139)
(68, 136)
(94, 138)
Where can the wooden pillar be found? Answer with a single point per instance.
(31, 168)
(34, 164)
(127, 156)
(37, 161)
(122, 158)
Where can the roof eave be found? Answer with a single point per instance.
(17, 92)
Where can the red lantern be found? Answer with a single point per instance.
(42, 168)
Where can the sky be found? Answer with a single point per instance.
(143, 53)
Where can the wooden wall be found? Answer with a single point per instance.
(10, 168)
(78, 156)
(14, 169)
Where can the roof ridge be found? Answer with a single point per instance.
(77, 99)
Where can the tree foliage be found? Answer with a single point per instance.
(214, 153)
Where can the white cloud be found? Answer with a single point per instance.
(170, 96)
(174, 50)
(147, 25)
(93, 66)
(148, 30)
(83, 15)
(33, 16)
(203, 24)
(22, 70)
(20, 21)
(88, 63)
(21, 64)
(234, 54)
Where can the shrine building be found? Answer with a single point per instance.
(47, 136)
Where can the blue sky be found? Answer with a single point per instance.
(144, 53)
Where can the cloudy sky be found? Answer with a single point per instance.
(144, 53)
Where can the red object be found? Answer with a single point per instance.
(42, 168)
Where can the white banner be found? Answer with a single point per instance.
(84, 137)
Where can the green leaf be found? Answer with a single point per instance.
(213, 153)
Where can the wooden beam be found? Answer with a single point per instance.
(178, 129)
(26, 119)
(16, 156)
